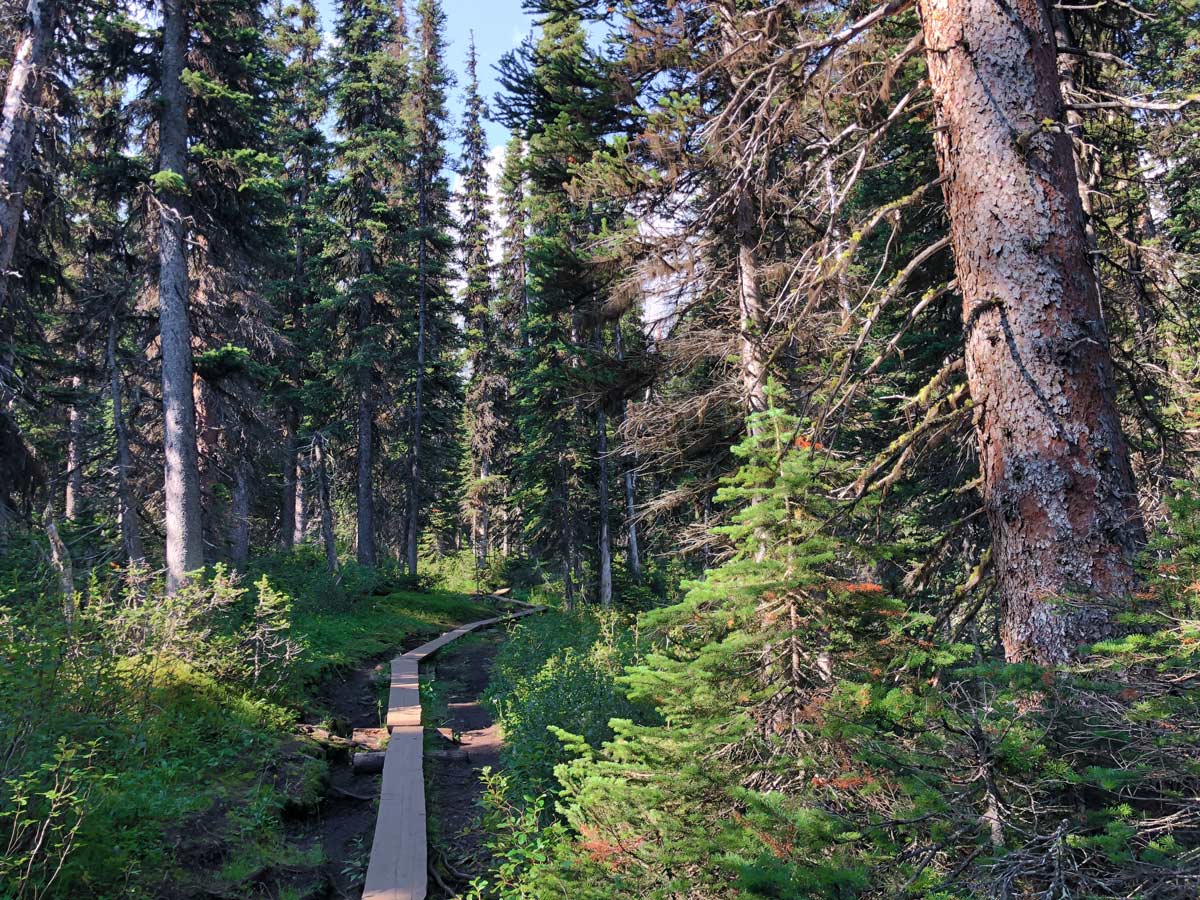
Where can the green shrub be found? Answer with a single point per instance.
(558, 670)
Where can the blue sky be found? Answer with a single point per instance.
(499, 25)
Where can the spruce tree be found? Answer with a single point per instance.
(487, 386)
(559, 98)
(372, 147)
(304, 154)
(435, 397)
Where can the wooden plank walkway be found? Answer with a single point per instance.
(398, 869)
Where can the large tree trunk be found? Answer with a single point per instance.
(366, 435)
(604, 593)
(131, 540)
(1057, 483)
(331, 557)
(185, 542)
(18, 125)
(414, 473)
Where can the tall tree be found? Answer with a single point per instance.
(486, 387)
(427, 117)
(32, 47)
(372, 158)
(181, 486)
(304, 151)
(1057, 482)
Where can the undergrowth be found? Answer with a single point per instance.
(791, 730)
(147, 749)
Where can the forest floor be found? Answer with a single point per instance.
(344, 822)
(466, 741)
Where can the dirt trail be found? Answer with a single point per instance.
(345, 820)
(452, 774)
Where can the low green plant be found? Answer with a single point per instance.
(558, 670)
(814, 737)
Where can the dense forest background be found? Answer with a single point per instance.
(831, 370)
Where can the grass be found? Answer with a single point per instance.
(195, 775)
(343, 639)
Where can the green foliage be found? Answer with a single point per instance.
(815, 738)
(558, 671)
(158, 730)
(519, 841)
(167, 182)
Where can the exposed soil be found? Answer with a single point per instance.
(338, 814)
(452, 772)
(345, 820)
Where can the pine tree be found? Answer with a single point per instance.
(487, 386)
(372, 79)
(435, 389)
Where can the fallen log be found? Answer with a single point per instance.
(370, 763)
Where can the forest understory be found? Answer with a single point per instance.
(829, 372)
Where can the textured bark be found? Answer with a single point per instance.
(299, 522)
(568, 534)
(750, 311)
(74, 492)
(131, 540)
(635, 555)
(291, 469)
(366, 433)
(18, 125)
(239, 517)
(1058, 487)
(185, 542)
(604, 539)
(483, 519)
(331, 557)
(418, 409)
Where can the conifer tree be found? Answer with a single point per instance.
(185, 540)
(107, 273)
(304, 151)
(558, 96)
(435, 388)
(487, 385)
(512, 295)
(372, 147)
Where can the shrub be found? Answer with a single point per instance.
(558, 670)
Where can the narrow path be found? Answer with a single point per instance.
(398, 869)
(452, 774)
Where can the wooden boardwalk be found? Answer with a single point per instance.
(399, 858)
